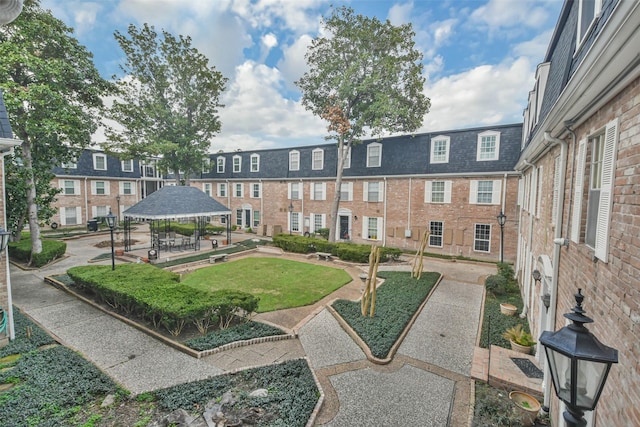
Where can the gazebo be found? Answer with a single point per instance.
(174, 203)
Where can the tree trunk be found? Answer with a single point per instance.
(32, 206)
(333, 218)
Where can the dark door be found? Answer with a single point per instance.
(344, 227)
(247, 218)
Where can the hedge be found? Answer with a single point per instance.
(51, 250)
(157, 296)
(188, 229)
(345, 251)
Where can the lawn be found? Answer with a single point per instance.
(279, 283)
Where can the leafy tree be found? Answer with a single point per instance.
(365, 77)
(53, 93)
(169, 100)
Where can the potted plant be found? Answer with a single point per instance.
(521, 340)
(508, 309)
(527, 405)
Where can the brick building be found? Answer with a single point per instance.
(579, 205)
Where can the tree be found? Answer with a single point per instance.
(53, 93)
(365, 77)
(168, 104)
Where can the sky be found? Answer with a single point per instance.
(479, 56)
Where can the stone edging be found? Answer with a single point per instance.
(396, 345)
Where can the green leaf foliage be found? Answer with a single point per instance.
(22, 343)
(241, 332)
(397, 300)
(345, 251)
(51, 250)
(494, 323)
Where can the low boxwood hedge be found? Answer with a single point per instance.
(397, 300)
(51, 250)
(188, 229)
(345, 251)
(157, 296)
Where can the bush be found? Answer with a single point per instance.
(323, 232)
(497, 285)
(51, 250)
(241, 332)
(345, 251)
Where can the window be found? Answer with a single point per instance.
(318, 191)
(347, 159)
(346, 191)
(99, 162)
(588, 11)
(294, 160)
(127, 188)
(602, 148)
(256, 190)
(435, 238)
(70, 187)
(70, 165)
(318, 221)
(374, 155)
(256, 218)
(488, 146)
(239, 190)
(237, 164)
(373, 191)
(222, 189)
(99, 188)
(437, 192)
(206, 187)
(294, 218)
(220, 165)
(294, 190)
(239, 217)
(372, 228)
(485, 192)
(255, 163)
(100, 211)
(206, 165)
(318, 159)
(70, 216)
(440, 149)
(482, 238)
(127, 166)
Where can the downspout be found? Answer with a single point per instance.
(10, 325)
(559, 241)
(525, 307)
(302, 205)
(384, 213)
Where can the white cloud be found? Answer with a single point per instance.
(500, 14)
(270, 40)
(400, 13)
(443, 30)
(293, 64)
(535, 48)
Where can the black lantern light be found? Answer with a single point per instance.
(579, 364)
(502, 220)
(290, 217)
(4, 239)
(111, 222)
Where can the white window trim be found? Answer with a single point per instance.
(76, 187)
(70, 165)
(312, 222)
(295, 153)
(206, 188)
(365, 228)
(495, 194)
(125, 162)
(488, 251)
(220, 164)
(219, 189)
(255, 156)
(347, 160)
(239, 164)
(479, 145)
(606, 190)
(447, 140)
(94, 188)
(290, 221)
(348, 190)
(428, 191)
(63, 216)
(95, 156)
(365, 192)
(441, 235)
(313, 159)
(259, 196)
(580, 38)
(374, 144)
(312, 194)
(235, 187)
(206, 165)
(578, 191)
(121, 188)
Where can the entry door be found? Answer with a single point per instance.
(344, 227)
(247, 218)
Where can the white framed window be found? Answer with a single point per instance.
(127, 188)
(294, 160)
(99, 211)
(374, 155)
(70, 215)
(373, 191)
(318, 221)
(99, 188)
(294, 221)
(70, 187)
(256, 218)
(256, 190)
(588, 11)
(70, 165)
(347, 158)
(99, 162)
(206, 165)
(220, 164)
(346, 191)
(437, 192)
(239, 217)
(295, 190)
(440, 149)
(238, 190)
(436, 231)
(485, 192)
(318, 191)
(222, 189)
(372, 228)
(206, 187)
(255, 163)
(482, 238)
(127, 165)
(317, 157)
(237, 164)
(488, 146)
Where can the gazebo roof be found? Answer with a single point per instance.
(172, 202)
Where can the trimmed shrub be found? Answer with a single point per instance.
(345, 251)
(51, 250)
(496, 285)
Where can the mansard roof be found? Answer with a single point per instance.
(5, 126)
(401, 155)
(84, 167)
(171, 202)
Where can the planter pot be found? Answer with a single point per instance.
(526, 349)
(508, 309)
(119, 252)
(527, 406)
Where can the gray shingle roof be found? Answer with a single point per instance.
(5, 126)
(176, 202)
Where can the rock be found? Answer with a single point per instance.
(178, 418)
(227, 399)
(261, 392)
(108, 401)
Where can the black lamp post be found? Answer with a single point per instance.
(502, 219)
(118, 211)
(290, 217)
(579, 364)
(111, 222)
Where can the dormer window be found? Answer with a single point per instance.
(440, 149)
(374, 155)
(237, 164)
(588, 11)
(318, 159)
(127, 165)
(488, 146)
(255, 163)
(294, 160)
(99, 162)
(220, 165)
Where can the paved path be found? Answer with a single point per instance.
(426, 384)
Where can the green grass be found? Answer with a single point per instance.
(279, 283)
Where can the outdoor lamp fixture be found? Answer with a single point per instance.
(502, 220)
(579, 364)
(118, 202)
(536, 276)
(4, 239)
(111, 222)
(9, 10)
(290, 217)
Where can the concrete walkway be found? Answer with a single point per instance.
(426, 384)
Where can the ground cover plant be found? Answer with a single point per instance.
(397, 300)
(241, 332)
(278, 283)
